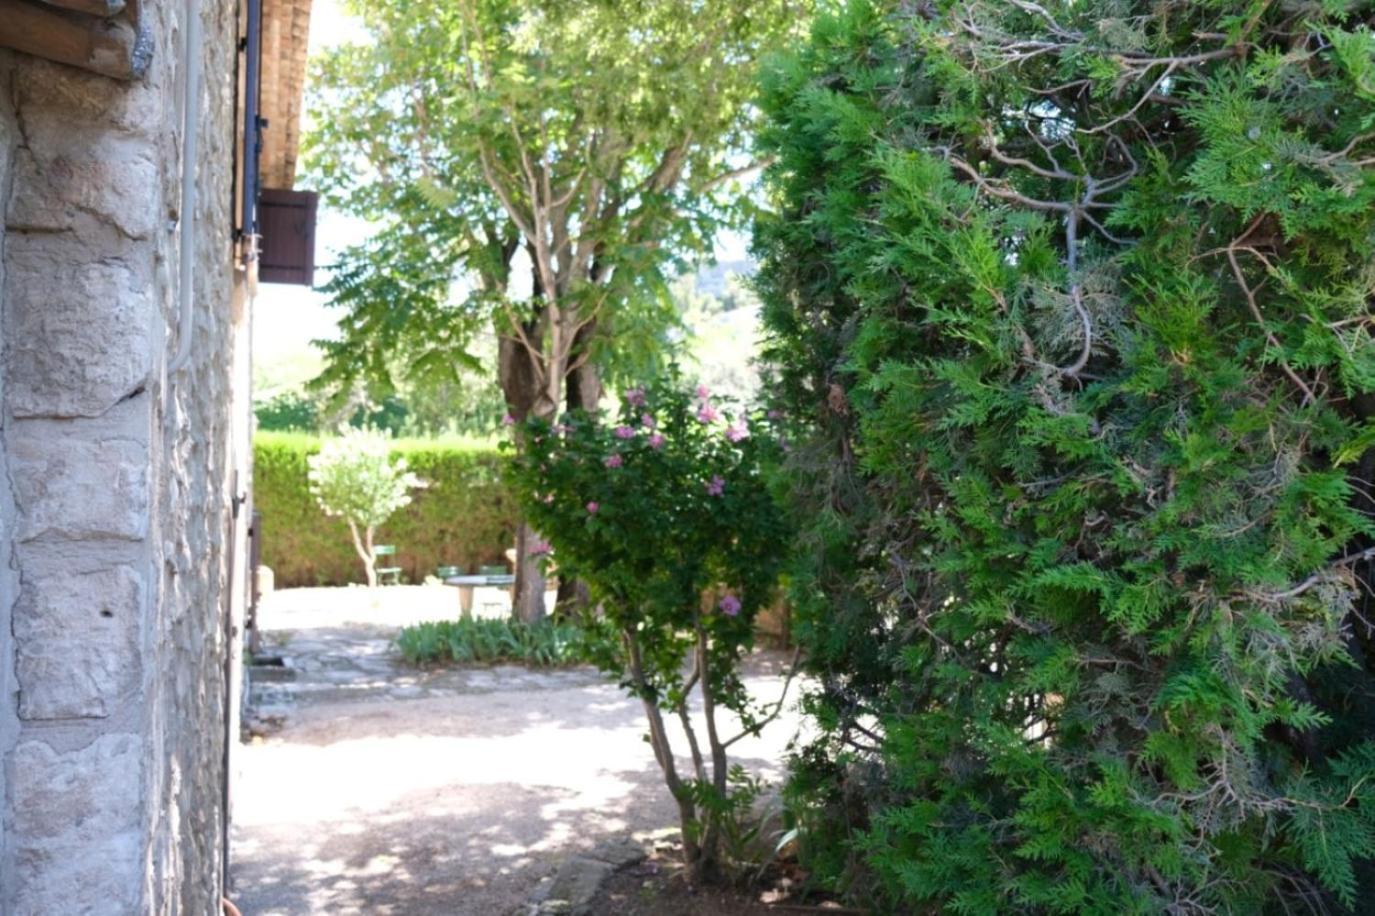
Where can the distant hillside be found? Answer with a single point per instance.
(712, 280)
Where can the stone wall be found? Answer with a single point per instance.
(117, 523)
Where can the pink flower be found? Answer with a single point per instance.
(592, 508)
(647, 421)
(635, 397)
(775, 415)
(613, 461)
(736, 433)
(716, 486)
(540, 549)
(625, 432)
(562, 429)
(703, 392)
(508, 420)
(656, 441)
(707, 414)
(729, 605)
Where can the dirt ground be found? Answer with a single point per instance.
(401, 793)
(657, 887)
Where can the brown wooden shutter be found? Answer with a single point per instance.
(286, 224)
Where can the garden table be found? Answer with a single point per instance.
(466, 584)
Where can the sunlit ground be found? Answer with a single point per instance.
(454, 798)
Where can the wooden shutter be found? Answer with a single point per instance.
(286, 224)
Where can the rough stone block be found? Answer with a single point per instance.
(56, 98)
(75, 827)
(87, 177)
(76, 641)
(575, 885)
(78, 329)
(77, 480)
(619, 853)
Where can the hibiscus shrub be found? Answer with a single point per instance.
(666, 516)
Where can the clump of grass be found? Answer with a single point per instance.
(547, 644)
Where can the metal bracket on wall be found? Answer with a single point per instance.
(103, 36)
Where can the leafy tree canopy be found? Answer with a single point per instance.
(602, 139)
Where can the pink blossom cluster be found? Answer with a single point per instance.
(706, 413)
(729, 605)
(716, 486)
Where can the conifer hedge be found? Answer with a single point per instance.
(1071, 312)
(465, 516)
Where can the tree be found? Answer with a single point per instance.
(1071, 309)
(601, 142)
(354, 477)
(666, 516)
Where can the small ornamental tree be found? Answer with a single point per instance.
(1071, 301)
(665, 515)
(354, 477)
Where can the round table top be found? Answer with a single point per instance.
(507, 579)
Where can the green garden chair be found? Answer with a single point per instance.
(385, 572)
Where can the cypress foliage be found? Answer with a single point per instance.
(1071, 312)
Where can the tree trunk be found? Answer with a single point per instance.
(706, 867)
(363, 545)
(520, 387)
(529, 598)
(688, 819)
(584, 384)
(584, 392)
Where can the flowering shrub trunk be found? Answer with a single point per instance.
(666, 517)
(1072, 304)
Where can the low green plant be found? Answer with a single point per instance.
(545, 644)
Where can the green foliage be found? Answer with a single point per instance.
(1070, 313)
(666, 515)
(287, 412)
(601, 139)
(355, 477)
(545, 644)
(654, 516)
(471, 406)
(465, 516)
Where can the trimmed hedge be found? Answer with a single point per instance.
(464, 517)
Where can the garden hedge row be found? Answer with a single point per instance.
(464, 517)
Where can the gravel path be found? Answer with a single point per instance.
(393, 791)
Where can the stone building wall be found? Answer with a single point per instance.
(118, 536)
